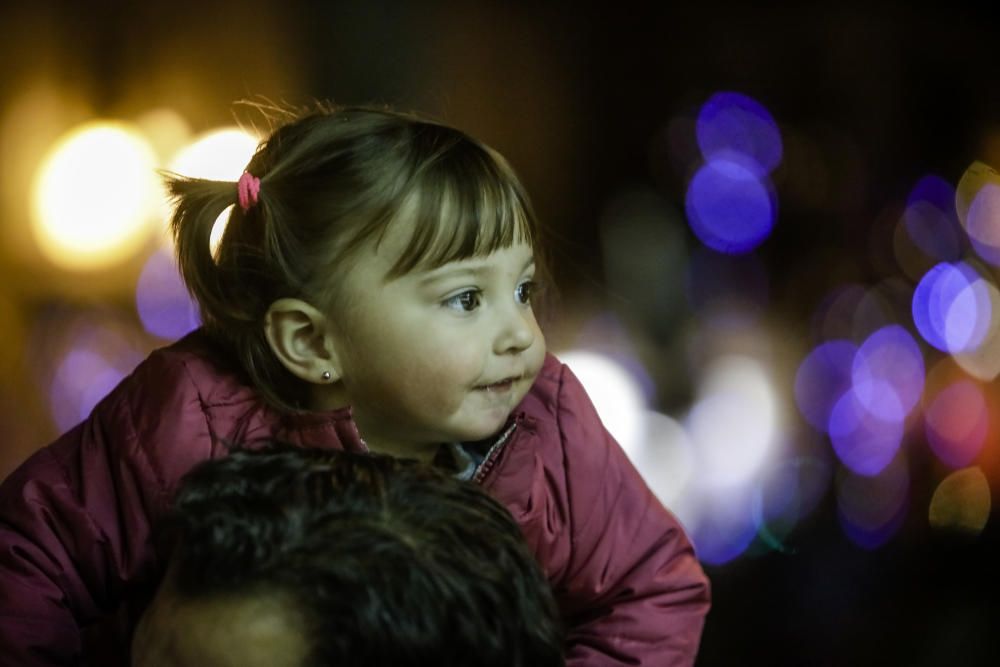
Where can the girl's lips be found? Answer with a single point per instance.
(503, 385)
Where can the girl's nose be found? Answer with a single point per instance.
(517, 332)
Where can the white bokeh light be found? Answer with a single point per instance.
(95, 196)
(734, 423)
(665, 459)
(616, 395)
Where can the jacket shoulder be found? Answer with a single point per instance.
(543, 397)
(194, 365)
(557, 394)
(177, 407)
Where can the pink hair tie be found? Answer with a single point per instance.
(248, 187)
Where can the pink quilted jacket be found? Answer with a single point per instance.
(76, 518)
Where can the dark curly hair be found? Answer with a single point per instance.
(391, 562)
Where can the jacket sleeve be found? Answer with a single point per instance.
(75, 530)
(632, 590)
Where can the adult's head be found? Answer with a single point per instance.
(292, 557)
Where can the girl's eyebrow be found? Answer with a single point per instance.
(474, 269)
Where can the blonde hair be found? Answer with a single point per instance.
(332, 180)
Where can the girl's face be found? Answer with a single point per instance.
(439, 355)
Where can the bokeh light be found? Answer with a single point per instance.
(872, 508)
(616, 395)
(862, 441)
(957, 421)
(823, 377)
(95, 196)
(888, 373)
(165, 307)
(930, 219)
(961, 502)
(665, 459)
(983, 361)
(730, 207)
(726, 528)
(219, 155)
(93, 355)
(735, 423)
(734, 122)
(983, 223)
(867, 412)
(952, 307)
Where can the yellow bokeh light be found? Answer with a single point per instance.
(94, 196)
(219, 155)
(961, 502)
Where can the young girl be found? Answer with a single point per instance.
(371, 292)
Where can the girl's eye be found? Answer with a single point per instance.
(524, 292)
(465, 302)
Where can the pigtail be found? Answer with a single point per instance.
(197, 205)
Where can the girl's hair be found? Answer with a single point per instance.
(332, 180)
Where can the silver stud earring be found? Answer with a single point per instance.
(326, 376)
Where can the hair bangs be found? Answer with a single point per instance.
(468, 204)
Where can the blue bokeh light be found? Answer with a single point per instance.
(729, 207)
(165, 307)
(951, 308)
(730, 121)
(864, 442)
(723, 535)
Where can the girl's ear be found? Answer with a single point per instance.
(300, 337)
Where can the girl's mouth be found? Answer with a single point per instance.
(498, 387)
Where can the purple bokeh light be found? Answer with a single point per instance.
(952, 309)
(729, 207)
(81, 380)
(723, 535)
(957, 422)
(864, 442)
(823, 377)
(930, 219)
(888, 373)
(163, 302)
(730, 121)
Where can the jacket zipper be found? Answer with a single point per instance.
(483, 468)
